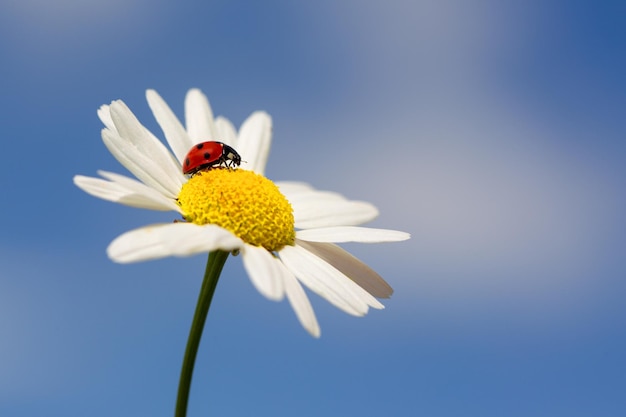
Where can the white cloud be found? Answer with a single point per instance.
(507, 222)
(496, 200)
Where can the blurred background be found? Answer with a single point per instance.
(493, 132)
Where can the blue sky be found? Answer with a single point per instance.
(493, 133)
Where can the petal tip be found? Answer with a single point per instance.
(316, 332)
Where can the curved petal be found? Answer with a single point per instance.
(253, 143)
(272, 279)
(199, 117)
(341, 234)
(104, 114)
(141, 165)
(300, 304)
(171, 239)
(226, 132)
(299, 194)
(350, 266)
(314, 208)
(139, 188)
(124, 190)
(316, 214)
(265, 271)
(291, 189)
(129, 128)
(175, 133)
(325, 280)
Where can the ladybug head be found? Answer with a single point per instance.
(230, 156)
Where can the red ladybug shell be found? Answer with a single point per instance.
(206, 155)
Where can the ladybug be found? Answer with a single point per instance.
(209, 154)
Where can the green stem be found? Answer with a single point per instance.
(214, 266)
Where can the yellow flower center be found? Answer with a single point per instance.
(242, 202)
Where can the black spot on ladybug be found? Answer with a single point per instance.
(207, 155)
(200, 145)
(187, 162)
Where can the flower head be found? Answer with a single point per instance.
(286, 232)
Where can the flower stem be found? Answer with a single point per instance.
(214, 266)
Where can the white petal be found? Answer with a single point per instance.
(226, 132)
(341, 234)
(290, 189)
(316, 214)
(124, 190)
(133, 131)
(142, 166)
(301, 304)
(172, 239)
(351, 267)
(104, 114)
(265, 271)
(140, 188)
(324, 280)
(313, 208)
(175, 133)
(301, 195)
(253, 143)
(199, 117)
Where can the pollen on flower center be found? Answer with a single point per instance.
(242, 202)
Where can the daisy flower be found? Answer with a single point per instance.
(285, 232)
